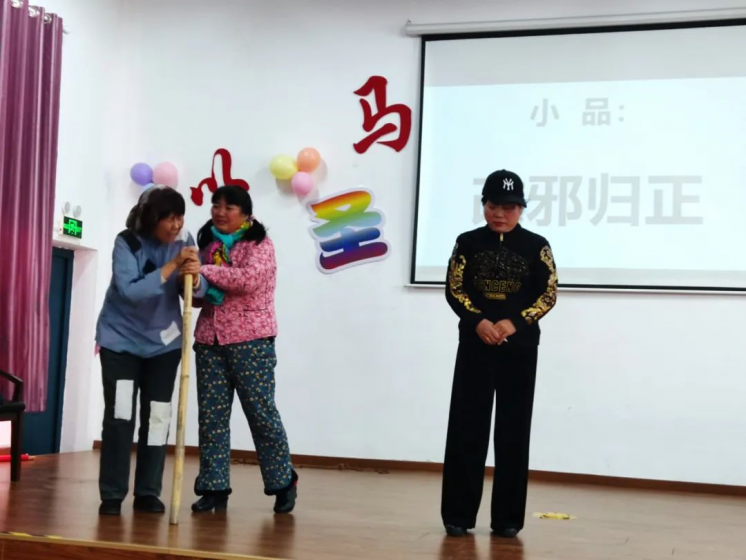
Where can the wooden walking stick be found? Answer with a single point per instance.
(186, 354)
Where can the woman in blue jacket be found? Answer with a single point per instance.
(139, 332)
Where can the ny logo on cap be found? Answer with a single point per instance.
(508, 184)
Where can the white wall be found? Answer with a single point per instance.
(629, 385)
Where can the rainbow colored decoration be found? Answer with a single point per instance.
(348, 230)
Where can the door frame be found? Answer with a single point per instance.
(69, 256)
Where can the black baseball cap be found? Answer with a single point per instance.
(503, 187)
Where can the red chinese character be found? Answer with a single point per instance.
(212, 183)
(377, 86)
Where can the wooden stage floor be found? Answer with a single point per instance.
(366, 515)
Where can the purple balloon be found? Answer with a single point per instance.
(142, 174)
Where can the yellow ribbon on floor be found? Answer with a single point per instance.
(553, 515)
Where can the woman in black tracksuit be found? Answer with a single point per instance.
(501, 281)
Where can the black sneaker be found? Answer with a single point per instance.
(209, 502)
(506, 533)
(454, 531)
(149, 504)
(285, 500)
(110, 507)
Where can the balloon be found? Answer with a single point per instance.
(302, 183)
(141, 173)
(283, 167)
(308, 160)
(166, 174)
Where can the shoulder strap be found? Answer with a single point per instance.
(135, 245)
(131, 239)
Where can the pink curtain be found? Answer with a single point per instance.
(30, 54)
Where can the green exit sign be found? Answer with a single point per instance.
(73, 227)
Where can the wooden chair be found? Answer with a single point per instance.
(13, 410)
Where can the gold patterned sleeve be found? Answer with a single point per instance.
(546, 282)
(456, 294)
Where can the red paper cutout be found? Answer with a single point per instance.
(377, 85)
(212, 183)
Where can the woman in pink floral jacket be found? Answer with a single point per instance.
(235, 348)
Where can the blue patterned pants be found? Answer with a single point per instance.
(248, 369)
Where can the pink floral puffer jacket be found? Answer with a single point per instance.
(248, 310)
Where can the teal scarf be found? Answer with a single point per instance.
(221, 257)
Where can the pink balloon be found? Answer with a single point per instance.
(302, 183)
(166, 174)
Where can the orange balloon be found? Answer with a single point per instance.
(308, 160)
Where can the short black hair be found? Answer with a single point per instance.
(155, 204)
(235, 196)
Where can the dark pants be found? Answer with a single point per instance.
(123, 376)
(246, 369)
(482, 376)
